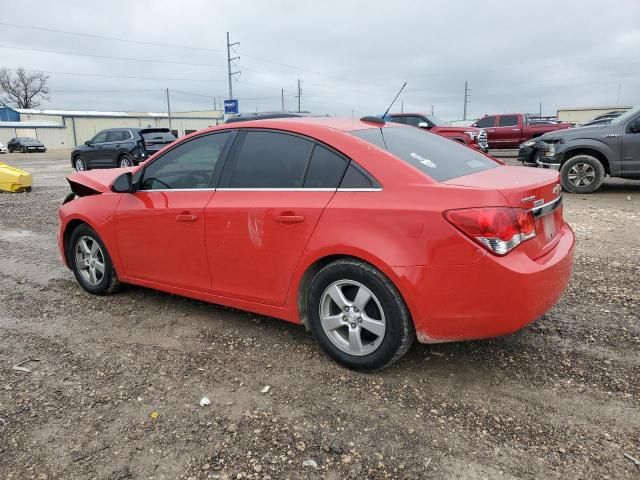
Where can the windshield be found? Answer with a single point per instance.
(158, 137)
(625, 116)
(27, 139)
(436, 156)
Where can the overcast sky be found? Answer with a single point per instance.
(350, 55)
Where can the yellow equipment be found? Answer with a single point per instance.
(13, 179)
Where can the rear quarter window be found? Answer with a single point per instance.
(438, 157)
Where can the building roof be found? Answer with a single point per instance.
(34, 124)
(95, 113)
(579, 109)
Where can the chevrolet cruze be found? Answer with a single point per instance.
(370, 234)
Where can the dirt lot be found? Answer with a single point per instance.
(116, 391)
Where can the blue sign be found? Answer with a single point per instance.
(231, 106)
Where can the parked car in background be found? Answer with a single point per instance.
(510, 130)
(25, 144)
(3, 148)
(120, 147)
(367, 232)
(585, 155)
(470, 136)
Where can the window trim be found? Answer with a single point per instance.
(217, 171)
(495, 117)
(230, 164)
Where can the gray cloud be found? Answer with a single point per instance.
(351, 56)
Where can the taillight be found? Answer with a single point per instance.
(498, 229)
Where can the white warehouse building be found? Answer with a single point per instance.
(64, 129)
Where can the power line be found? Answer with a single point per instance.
(107, 56)
(104, 37)
(120, 76)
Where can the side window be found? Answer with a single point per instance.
(398, 120)
(486, 122)
(271, 160)
(508, 121)
(354, 177)
(115, 135)
(188, 165)
(325, 169)
(413, 121)
(101, 137)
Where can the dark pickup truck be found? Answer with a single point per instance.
(585, 155)
(510, 130)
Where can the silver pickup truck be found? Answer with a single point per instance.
(585, 155)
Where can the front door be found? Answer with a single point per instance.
(488, 123)
(274, 189)
(630, 164)
(161, 227)
(95, 155)
(507, 133)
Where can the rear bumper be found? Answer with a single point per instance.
(492, 297)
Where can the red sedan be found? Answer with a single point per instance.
(369, 234)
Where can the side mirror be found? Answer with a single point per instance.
(424, 125)
(88, 143)
(123, 184)
(634, 126)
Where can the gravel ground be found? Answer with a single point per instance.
(116, 389)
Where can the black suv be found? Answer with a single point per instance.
(120, 147)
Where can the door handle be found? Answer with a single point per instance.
(289, 218)
(186, 217)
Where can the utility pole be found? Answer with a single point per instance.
(431, 110)
(540, 114)
(466, 100)
(401, 106)
(299, 95)
(168, 107)
(283, 99)
(229, 60)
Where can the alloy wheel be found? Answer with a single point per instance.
(581, 175)
(352, 317)
(125, 162)
(81, 166)
(90, 260)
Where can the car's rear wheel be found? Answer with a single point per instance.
(582, 174)
(358, 316)
(80, 164)
(90, 262)
(126, 161)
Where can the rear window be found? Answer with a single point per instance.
(158, 137)
(436, 156)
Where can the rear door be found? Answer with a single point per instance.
(272, 193)
(112, 148)
(161, 227)
(506, 134)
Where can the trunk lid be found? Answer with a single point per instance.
(526, 188)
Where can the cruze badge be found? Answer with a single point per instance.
(528, 199)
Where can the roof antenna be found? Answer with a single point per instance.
(394, 100)
(380, 120)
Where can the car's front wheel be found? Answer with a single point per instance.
(358, 316)
(582, 174)
(126, 161)
(80, 164)
(23, 149)
(90, 262)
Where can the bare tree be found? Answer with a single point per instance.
(24, 89)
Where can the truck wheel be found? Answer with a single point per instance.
(582, 174)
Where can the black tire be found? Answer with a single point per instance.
(582, 174)
(399, 333)
(108, 283)
(10, 150)
(125, 161)
(78, 162)
(23, 149)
